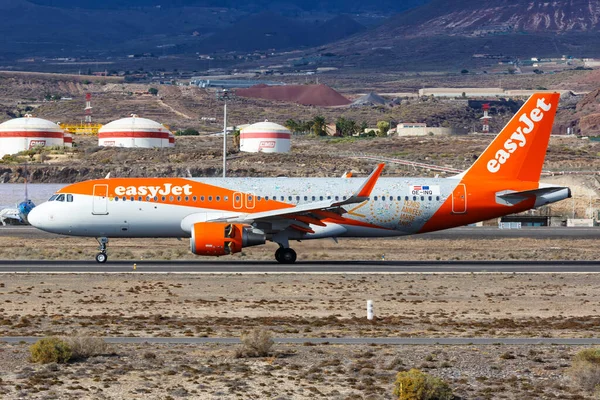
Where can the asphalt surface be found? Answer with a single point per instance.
(467, 232)
(342, 341)
(315, 267)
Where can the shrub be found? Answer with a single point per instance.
(86, 346)
(417, 385)
(256, 343)
(585, 369)
(48, 350)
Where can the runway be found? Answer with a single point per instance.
(466, 232)
(341, 341)
(311, 267)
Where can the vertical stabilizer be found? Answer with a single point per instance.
(518, 152)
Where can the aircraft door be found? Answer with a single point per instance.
(459, 199)
(100, 200)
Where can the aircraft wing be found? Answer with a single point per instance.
(302, 216)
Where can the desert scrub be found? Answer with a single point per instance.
(85, 346)
(48, 350)
(585, 369)
(417, 385)
(256, 343)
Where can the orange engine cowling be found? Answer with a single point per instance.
(221, 238)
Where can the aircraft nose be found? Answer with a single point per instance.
(35, 217)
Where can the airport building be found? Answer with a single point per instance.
(135, 132)
(266, 137)
(25, 133)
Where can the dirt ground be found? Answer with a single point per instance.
(416, 305)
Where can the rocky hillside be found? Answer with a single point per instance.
(477, 18)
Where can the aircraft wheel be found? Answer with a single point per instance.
(278, 254)
(101, 257)
(286, 256)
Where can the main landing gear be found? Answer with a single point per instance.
(102, 257)
(285, 255)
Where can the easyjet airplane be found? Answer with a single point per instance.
(223, 215)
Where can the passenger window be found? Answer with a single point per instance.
(430, 198)
(257, 198)
(155, 198)
(375, 198)
(267, 198)
(314, 198)
(305, 198)
(282, 198)
(139, 198)
(344, 198)
(124, 198)
(289, 198)
(116, 199)
(337, 198)
(209, 198)
(382, 198)
(70, 198)
(422, 198)
(320, 197)
(147, 198)
(328, 197)
(399, 198)
(195, 198)
(187, 198)
(171, 198)
(201, 198)
(218, 198)
(437, 198)
(414, 198)
(178, 198)
(297, 198)
(131, 198)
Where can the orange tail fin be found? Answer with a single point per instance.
(518, 152)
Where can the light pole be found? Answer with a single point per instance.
(224, 95)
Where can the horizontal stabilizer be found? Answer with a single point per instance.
(543, 195)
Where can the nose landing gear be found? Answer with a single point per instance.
(102, 257)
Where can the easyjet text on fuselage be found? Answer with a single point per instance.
(164, 190)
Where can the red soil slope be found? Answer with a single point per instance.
(315, 95)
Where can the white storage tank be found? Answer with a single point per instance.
(25, 133)
(134, 132)
(267, 137)
(68, 139)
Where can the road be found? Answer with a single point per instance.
(342, 341)
(308, 267)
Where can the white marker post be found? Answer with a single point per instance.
(370, 310)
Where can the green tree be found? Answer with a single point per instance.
(318, 126)
(383, 127)
(187, 132)
(293, 125)
(153, 91)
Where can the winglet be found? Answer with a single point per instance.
(367, 187)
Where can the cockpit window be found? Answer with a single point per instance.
(70, 198)
(61, 197)
(54, 196)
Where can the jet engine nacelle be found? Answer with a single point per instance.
(221, 238)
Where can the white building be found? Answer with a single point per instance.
(134, 132)
(25, 133)
(266, 137)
